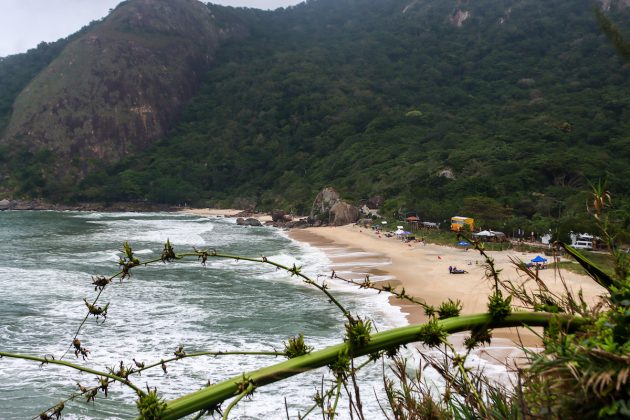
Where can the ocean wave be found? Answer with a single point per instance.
(227, 305)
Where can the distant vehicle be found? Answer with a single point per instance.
(460, 222)
(588, 245)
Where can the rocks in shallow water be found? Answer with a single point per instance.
(250, 221)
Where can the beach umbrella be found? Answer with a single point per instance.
(463, 243)
(539, 259)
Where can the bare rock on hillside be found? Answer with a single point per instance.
(459, 17)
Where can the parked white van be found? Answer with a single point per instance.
(583, 245)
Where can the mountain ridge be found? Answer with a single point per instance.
(519, 112)
(120, 86)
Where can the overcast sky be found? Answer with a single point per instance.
(25, 23)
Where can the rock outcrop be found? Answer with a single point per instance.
(343, 213)
(324, 201)
(250, 221)
(329, 209)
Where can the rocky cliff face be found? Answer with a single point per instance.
(118, 88)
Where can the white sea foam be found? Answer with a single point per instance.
(369, 303)
(178, 232)
(228, 305)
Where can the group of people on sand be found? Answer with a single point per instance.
(455, 270)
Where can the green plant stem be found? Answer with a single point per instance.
(462, 371)
(314, 406)
(72, 397)
(482, 406)
(236, 400)
(43, 360)
(337, 395)
(491, 271)
(214, 254)
(210, 353)
(293, 270)
(220, 392)
(367, 284)
(76, 334)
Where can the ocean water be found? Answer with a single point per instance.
(46, 263)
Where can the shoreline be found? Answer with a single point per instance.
(423, 271)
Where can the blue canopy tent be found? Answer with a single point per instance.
(539, 259)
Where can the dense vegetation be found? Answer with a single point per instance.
(17, 70)
(506, 117)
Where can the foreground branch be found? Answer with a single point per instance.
(386, 340)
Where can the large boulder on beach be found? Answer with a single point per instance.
(329, 209)
(323, 203)
(278, 215)
(343, 213)
(5, 204)
(297, 224)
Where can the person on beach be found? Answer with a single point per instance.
(450, 269)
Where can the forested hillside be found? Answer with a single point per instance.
(111, 91)
(501, 107)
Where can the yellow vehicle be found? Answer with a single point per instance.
(462, 223)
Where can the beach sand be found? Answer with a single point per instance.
(422, 269)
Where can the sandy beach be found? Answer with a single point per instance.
(422, 269)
